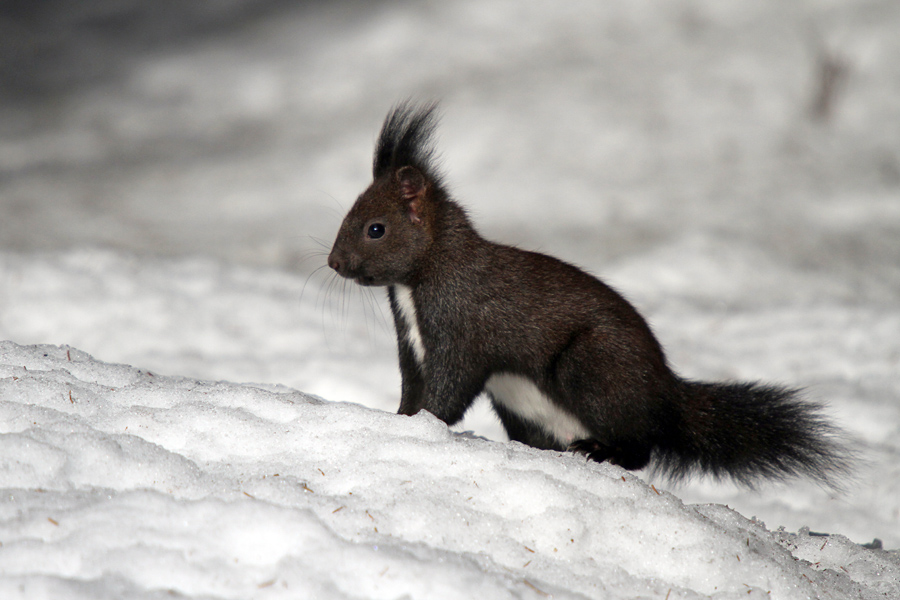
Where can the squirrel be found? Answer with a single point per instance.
(567, 362)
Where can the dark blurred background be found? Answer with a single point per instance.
(242, 130)
(54, 47)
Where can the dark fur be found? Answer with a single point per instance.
(484, 308)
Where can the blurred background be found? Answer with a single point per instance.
(236, 129)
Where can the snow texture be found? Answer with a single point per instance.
(167, 168)
(120, 482)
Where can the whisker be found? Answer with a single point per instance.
(335, 304)
(331, 317)
(337, 212)
(323, 297)
(335, 287)
(376, 305)
(306, 281)
(325, 290)
(336, 301)
(319, 242)
(344, 305)
(309, 255)
(369, 301)
(340, 206)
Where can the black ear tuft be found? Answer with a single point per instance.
(406, 140)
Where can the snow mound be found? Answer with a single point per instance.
(117, 482)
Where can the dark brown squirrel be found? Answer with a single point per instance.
(567, 362)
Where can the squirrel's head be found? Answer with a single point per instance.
(386, 231)
(390, 227)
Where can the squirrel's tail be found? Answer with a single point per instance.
(749, 432)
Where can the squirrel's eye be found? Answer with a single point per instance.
(376, 230)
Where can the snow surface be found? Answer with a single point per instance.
(122, 483)
(161, 194)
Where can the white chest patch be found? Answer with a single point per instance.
(407, 308)
(519, 395)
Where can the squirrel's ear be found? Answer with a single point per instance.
(412, 190)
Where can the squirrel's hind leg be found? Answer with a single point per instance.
(628, 456)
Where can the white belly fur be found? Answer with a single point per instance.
(519, 395)
(408, 310)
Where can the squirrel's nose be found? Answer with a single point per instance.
(339, 261)
(334, 262)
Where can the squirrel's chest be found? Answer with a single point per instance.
(407, 309)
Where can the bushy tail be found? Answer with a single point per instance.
(749, 432)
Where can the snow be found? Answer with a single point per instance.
(121, 481)
(161, 194)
